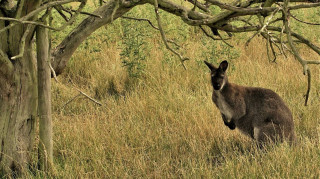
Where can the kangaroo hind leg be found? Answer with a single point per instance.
(268, 133)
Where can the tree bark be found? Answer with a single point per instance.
(18, 97)
(18, 104)
(44, 100)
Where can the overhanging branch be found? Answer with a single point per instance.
(63, 52)
(163, 36)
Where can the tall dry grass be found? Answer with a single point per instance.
(164, 124)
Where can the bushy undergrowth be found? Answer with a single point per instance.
(165, 125)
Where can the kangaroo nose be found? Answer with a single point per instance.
(217, 86)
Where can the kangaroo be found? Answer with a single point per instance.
(257, 112)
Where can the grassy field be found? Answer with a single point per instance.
(157, 119)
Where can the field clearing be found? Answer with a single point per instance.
(158, 120)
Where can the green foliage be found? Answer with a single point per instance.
(134, 47)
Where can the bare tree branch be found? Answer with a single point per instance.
(235, 29)
(22, 43)
(150, 23)
(213, 38)
(199, 5)
(59, 9)
(81, 12)
(309, 23)
(36, 11)
(141, 19)
(182, 59)
(19, 10)
(264, 25)
(306, 69)
(5, 63)
(65, 49)
(26, 22)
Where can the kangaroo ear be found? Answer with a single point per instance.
(211, 67)
(223, 65)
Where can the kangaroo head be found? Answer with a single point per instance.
(218, 75)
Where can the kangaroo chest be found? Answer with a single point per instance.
(223, 106)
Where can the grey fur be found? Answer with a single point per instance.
(258, 112)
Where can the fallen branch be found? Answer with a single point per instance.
(76, 96)
(84, 94)
(69, 101)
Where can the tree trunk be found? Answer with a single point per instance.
(18, 104)
(18, 101)
(44, 100)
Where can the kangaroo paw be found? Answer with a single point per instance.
(230, 124)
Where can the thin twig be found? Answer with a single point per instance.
(213, 38)
(267, 45)
(199, 5)
(194, 5)
(70, 101)
(182, 59)
(75, 15)
(26, 22)
(35, 12)
(141, 19)
(248, 20)
(281, 42)
(116, 7)
(82, 12)
(272, 49)
(309, 23)
(309, 87)
(59, 10)
(151, 24)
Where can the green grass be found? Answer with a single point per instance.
(163, 124)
